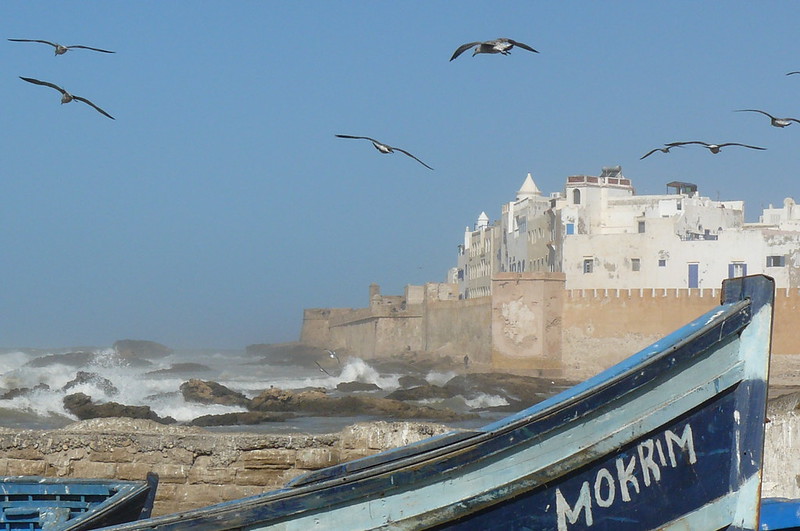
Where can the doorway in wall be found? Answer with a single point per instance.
(694, 275)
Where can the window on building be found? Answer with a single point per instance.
(737, 269)
(636, 264)
(570, 228)
(641, 227)
(776, 261)
(576, 196)
(662, 262)
(588, 265)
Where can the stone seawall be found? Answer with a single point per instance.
(199, 467)
(196, 467)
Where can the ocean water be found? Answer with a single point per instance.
(46, 377)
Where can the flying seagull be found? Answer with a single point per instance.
(321, 369)
(385, 148)
(502, 46)
(332, 354)
(775, 122)
(66, 97)
(664, 149)
(713, 148)
(60, 48)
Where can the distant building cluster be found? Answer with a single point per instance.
(600, 234)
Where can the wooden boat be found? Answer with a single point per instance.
(61, 504)
(670, 438)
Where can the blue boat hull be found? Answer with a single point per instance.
(61, 504)
(671, 438)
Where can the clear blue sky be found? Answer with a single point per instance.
(219, 204)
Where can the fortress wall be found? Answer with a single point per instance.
(459, 327)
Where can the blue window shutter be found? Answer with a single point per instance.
(730, 270)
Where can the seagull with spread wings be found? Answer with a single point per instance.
(502, 46)
(713, 148)
(385, 148)
(66, 97)
(60, 48)
(775, 122)
(321, 369)
(664, 149)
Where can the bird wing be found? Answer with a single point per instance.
(320, 368)
(676, 144)
(90, 48)
(463, 48)
(790, 73)
(756, 110)
(359, 137)
(738, 144)
(649, 153)
(412, 156)
(54, 45)
(522, 45)
(101, 111)
(45, 83)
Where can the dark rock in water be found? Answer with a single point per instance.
(73, 359)
(412, 362)
(408, 381)
(91, 378)
(137, 348)
(318, 403)
(181, 368)
(421, 392)
(21, 391)
(240, 419)
(286, 354)
(350, 387)
(81, 406)
(525, 390)
(212, 393)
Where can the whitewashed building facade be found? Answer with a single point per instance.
(602, 235)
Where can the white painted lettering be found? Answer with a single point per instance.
(661, 458)
(685, 442)
(625, 476)
(652, 458)
(645, 449)
(604, 476)
(566, 513)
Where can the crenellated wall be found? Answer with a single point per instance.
(530, 322)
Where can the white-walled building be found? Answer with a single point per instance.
(602, 235)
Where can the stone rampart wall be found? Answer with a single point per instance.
(196, 467)
(459, 327)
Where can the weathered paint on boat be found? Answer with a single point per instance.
(670, 438)
(780, 514)
(64, 504)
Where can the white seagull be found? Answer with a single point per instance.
(713, 148)
(661, 149)
(775, 122)
(322, 370)
(385, 148)
(60, 48)
(332, 354)
(66, 97)
(502, 46)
